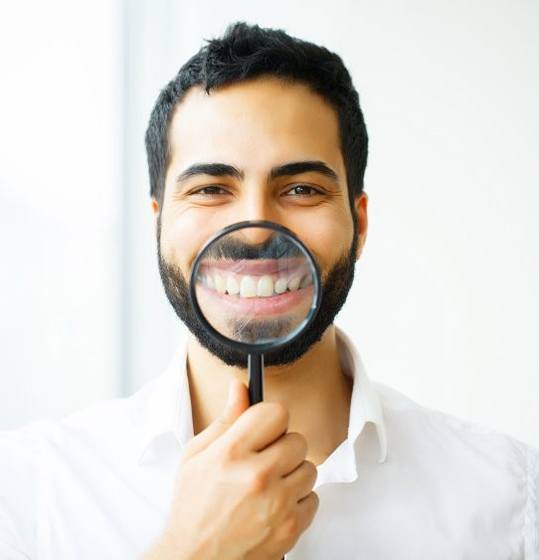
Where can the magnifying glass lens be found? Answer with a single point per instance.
(256, 285)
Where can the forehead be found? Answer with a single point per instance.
(254, 123)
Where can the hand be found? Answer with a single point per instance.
(243, 488)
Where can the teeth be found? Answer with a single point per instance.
(293, 283)
(232, 286)
(264, 287)
(307, 280)
(280, 285)
(248, 287)
(252, 286)
(220, 284)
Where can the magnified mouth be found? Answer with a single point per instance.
(260, 278)
(257, 287)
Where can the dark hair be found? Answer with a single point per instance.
(248, 51)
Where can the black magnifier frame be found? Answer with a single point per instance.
(255, 352)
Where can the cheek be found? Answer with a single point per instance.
(182, 236)
(327, 234)
(184, 231)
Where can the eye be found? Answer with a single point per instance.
(210, 190)
(302, 190)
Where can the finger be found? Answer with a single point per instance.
(301, 481)
(285, 454)
(258, 427)
(306, 510)
(237, 403)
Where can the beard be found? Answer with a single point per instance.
(335, 286)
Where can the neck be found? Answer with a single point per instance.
(313, 388)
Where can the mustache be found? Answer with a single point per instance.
(275, 247)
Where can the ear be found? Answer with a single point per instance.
(360, 204)
(155, 210)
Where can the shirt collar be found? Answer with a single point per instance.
(168, 412)
(365, 407)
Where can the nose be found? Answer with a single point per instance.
(257, 204)
(256, 235)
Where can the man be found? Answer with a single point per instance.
(259, 125)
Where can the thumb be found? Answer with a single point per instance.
(237, 403)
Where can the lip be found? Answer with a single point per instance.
(257, 306)
(255, 267)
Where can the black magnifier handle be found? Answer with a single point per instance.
(255, 364)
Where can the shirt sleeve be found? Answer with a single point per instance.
(19, 457)
(531, 519)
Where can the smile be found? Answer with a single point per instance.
(256, 279)
(252, 288)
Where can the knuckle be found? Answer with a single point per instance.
(278, 506)
(311, 469)
(298, 443)
(231, 452)
(315, 501)
(257, 482)
(290, 528)
(279, 411)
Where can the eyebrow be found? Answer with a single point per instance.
(287, 169)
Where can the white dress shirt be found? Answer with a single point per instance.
(407, 483)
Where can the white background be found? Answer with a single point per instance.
(445, 307)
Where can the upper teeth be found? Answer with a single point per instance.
(220, 283)
(264, 286)
(293, 283)
(248, 287)
(232, 286)
(280, 285)
(253, 286)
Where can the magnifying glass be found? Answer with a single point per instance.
(255, 287)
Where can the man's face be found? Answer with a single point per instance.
(257, 127)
